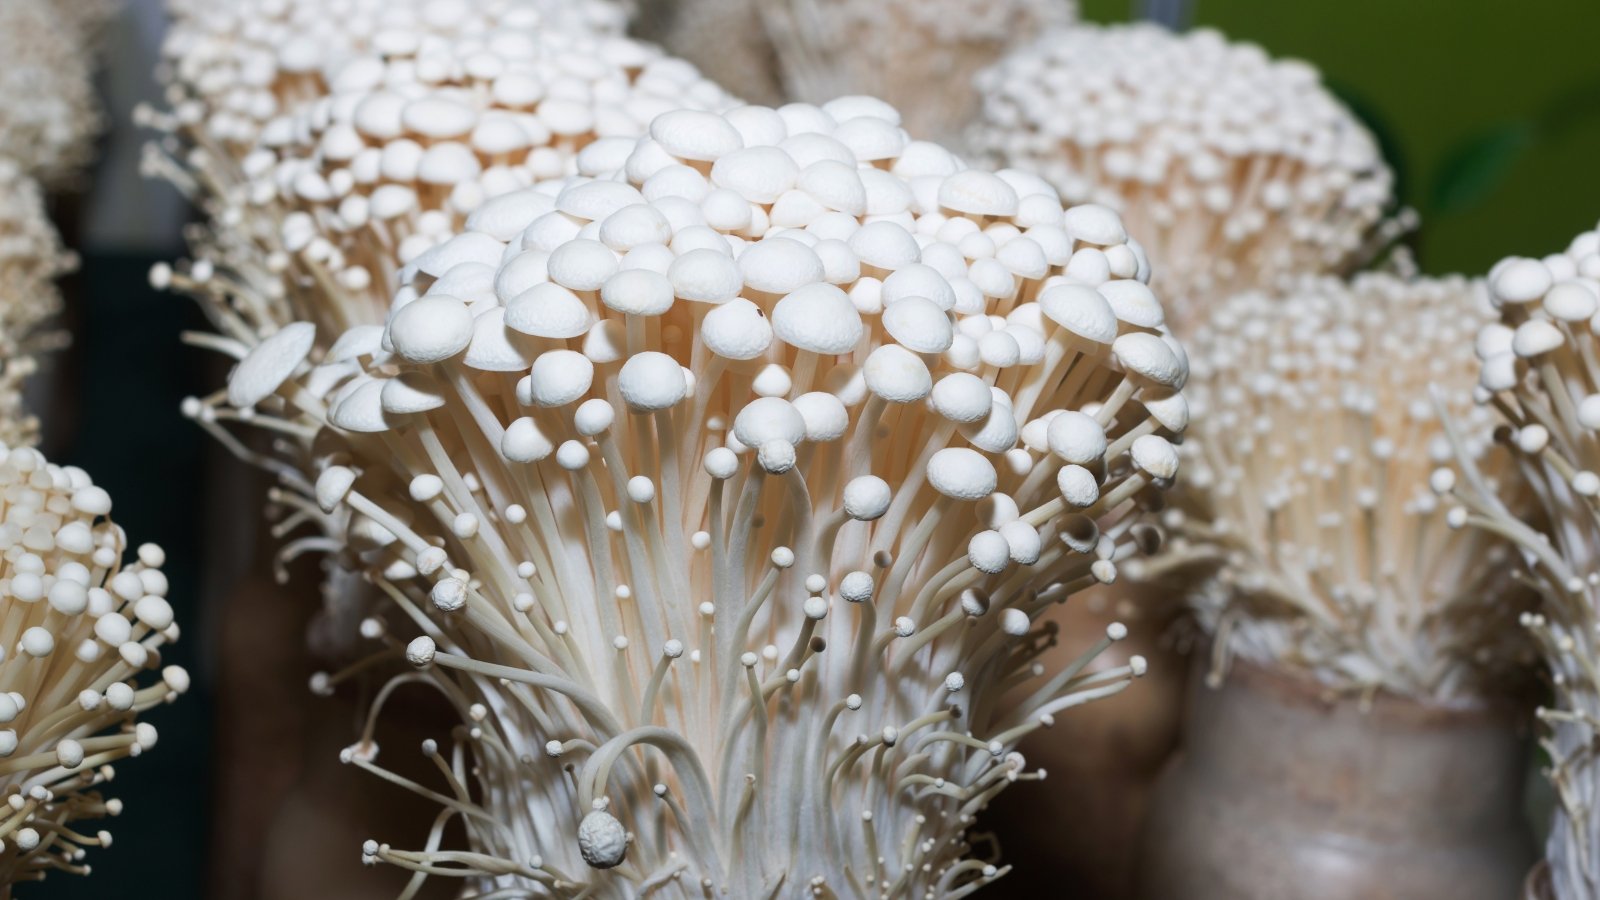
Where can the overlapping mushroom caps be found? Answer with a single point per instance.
(50, 117)
(1539, 372)
(722, 497)
(1315, 457)
(31, 259)
(1236, 170)
(82, 634)
(329, 146)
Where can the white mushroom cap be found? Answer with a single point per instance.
(818, 318)
(270, 363)
(961, 474)
(650, 381)
(430, 329)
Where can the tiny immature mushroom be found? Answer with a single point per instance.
(730, 567)
(1236, 171)
(80, 659)
(1538, 375)
(1309, 530)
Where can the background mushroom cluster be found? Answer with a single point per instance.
(797, 448)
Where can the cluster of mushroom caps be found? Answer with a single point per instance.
(1308, 532)
(80, 633)
(31, 259)
(50, 117)
(1238, 171)
(325, 147)
(721, 488)
(1540, 376)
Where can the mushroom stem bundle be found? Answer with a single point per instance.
(31, 259)
(696, 490)
(920, 55)
(1237, 171)
(1540, 377)
(79, 630)
(1316, 457)
(328, 150)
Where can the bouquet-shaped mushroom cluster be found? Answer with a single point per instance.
(80, 634)
(1539, 371)
(721, 492)
(1312, 489)
(31, 258)
(1238, 171)
(326, 149)
(49, 119)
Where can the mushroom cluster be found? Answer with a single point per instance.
(920, 56)
(81, 630)
(50, 117)
(31, 258)
(1237, 171)
(1540, 376)
(721, 487)
(329, 147)
(1318, 451)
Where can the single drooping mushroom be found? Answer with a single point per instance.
(1237, 171)
(1539, 378)
(1314, 462)
(31, 259)
(50, 116)
(328, 151)
(82, 633)
(721, 494)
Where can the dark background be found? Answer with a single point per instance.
(1490, 113)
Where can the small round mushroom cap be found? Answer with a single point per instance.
(1155, 455)
(549, 311)
(412, 392)
(825, 416)
(559, 377)
(523, 442)
(1518, 280)
(897, 375)
(638, 292)
(1077, 438)
(1081, 310)
(962, 474)
(270, 363)
(769, 419)
(602, 841)
(737, 330)
(866, 497)
(431, 329)
(651, 380)
(1095, 224)
(988, 552)
(818, 318)
(978, 193)
(918, 325)
(693, 134)
(962, 397)
(1150, 358)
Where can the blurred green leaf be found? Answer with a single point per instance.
(1473, 169)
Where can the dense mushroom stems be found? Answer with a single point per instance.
(1541, 378)
(1237, 171)
(329, 147)
(31, 258)
(82, 635)
(1315, 461)
(721, 489)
